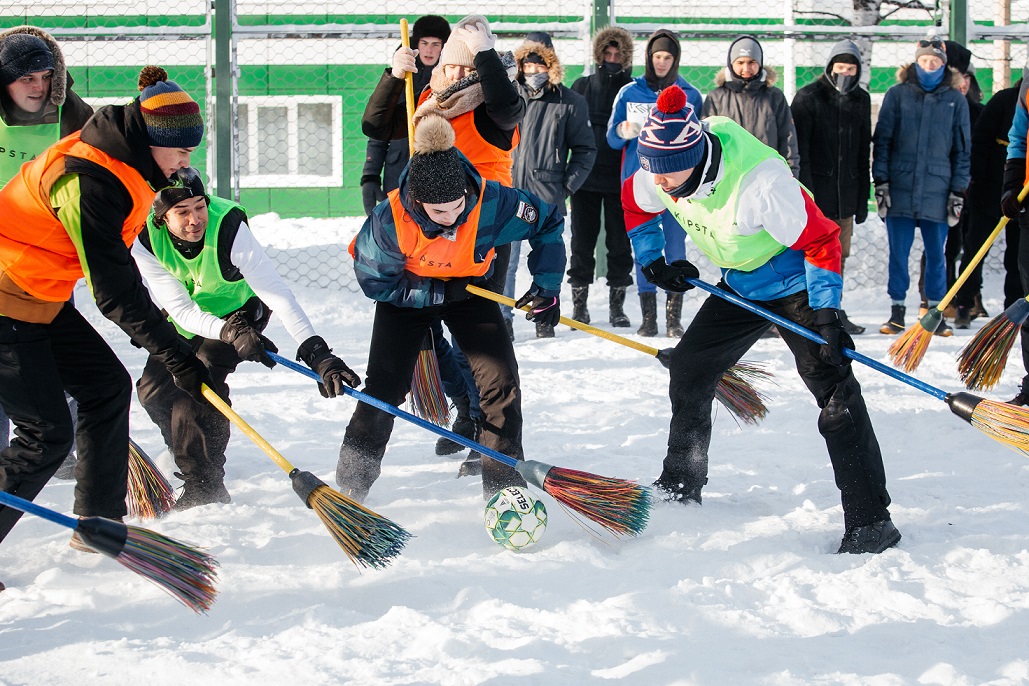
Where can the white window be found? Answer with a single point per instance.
(290, 141)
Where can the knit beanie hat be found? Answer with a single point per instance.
(21, 54)
(664, 44)
(746, 46)
(172, 117)
(958, 56)
(672, 138)
(430, 26)
(932, 45)
(435, 173)
(455, 52)
(186, 183)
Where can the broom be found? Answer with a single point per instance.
(734, 390)
(428, 399)
(367, 538)
(622, 507)
(149, 494)
(1002, 422)
(186, 573)
(981, 362)
(909, 349)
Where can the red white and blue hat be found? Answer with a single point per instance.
(671, 139)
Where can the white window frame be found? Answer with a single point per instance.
(250, 178)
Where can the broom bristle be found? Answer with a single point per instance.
(428, 401)
(185, 572)
(622, 507)
(149, 494)
(1003, 422)
(368, 538)
(736, 392)
(981, 362)
(908, 350)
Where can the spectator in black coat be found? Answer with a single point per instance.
(833, 117)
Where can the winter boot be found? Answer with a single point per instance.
(544, 330)
(870, 538)
(616, 304)
(978, 310)
(943, 329)
(963, 317)
(677, 490)
(673, 315)
(580, 313)
(849, 326)
(472, 466)
(648, 303)
(356, 471)
(895, 325)
(196, 493)
(464, 426)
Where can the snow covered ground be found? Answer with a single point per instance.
(744, 590)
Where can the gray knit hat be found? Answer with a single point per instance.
(435, 173)
(933, 45)
(746, 46)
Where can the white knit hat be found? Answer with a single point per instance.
(455, 52)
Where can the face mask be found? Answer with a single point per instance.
(611, 67)
(844, 82)
(930, 79)
(534, 82)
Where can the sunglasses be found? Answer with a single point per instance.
(936, 43)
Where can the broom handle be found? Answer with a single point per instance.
(405, 40)
(811, 335)
(230, 414)
(985, 248)
(627, 342)
(11, 500)
(397, 412)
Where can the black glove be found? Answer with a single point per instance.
(830, 328)
(1014, 177)
(671, 277)
(188, 373)
(882, 199)
(955, 205)
(543, 309)
(371, 194)
(250, 345)
(454, 289)
(317, 355)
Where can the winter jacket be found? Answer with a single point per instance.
(759, 107)
(599, 89)
(556, 150)
(990, 149)
(505, 215)
(834, 139)
(749, 215)
(921, 146)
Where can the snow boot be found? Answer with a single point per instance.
(673, 315)
(963, 318)
(463, 425)
(196, 492)
(849, 326)
(472, 466)
(679, 490)
(580, 312)
(616, 304)
(977, 309)
(943, 329)
(870, 538)
(895, 325)
(544, 330)
(648, 304)
(356, 471)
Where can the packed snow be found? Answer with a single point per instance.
(743, 590)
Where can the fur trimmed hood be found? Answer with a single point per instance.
(767, 77)
(613, 34)
(555, 69)
(59, 82)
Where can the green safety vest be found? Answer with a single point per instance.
(708, 220)
(202, 276)
(21, 144)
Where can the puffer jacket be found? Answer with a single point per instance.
(921, 146)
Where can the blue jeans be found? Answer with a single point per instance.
(901, 234)
(454, 371)
(675, 249)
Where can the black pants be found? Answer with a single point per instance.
(38, 363)
(1023, 270)
(719, 335)
(978, 224)
(586, 208)
(478, 327)
(196, 433)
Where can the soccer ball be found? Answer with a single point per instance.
(515, 519)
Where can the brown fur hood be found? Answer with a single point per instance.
(907, 73)
(615, 34)
(556, 70)
(59, 83)
(769, 75)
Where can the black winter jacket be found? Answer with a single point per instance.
(600, 90)
(990, 149)
(834, 136)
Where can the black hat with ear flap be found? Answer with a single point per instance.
(435, 173)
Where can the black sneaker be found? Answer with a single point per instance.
(673, 490)
(870, 538)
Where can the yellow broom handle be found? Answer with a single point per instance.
(224, 408)
(964, 276)
(405, 40)
(627, 342)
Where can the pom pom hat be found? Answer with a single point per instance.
(672, 139)
(172, 117)
(435, 173)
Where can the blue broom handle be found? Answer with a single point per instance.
(11, 500)
(397, 412)
(811, 335)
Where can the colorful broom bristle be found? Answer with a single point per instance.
(909, 349)
(981, 362)
(622, 507)
(1003, 422)
(736, 392)
(186, 573)
(428, 401)
(367, 538)
(149, 494)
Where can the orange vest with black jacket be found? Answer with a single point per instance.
(438, 257)
(39, 263)
(492, 163)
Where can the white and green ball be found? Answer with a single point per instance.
(515, 519)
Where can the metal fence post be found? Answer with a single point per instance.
(959, 21)
(224, 11)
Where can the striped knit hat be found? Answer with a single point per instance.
(672, 138)
(172, 117)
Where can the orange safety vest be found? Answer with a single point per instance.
(37, 256)
(492, 163)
